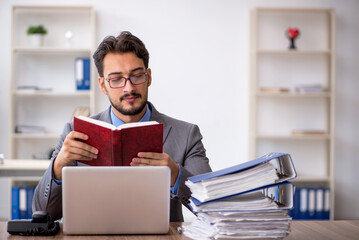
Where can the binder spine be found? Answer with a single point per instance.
(15, 211)
(311, 203)
(82, 73)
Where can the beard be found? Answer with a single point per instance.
(132, 111)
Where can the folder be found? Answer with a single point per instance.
(303, 208)
(269, 169)
(22, 203)
(311, 203)
(82, 73)
(273, 197)
(326, 204)
(29, 196)
(15, 212)
(294, 212)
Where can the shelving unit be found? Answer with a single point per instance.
(50, 67)
(19, 173)
(274, 115)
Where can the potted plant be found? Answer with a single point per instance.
(36, 34)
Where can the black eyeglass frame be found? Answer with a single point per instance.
(128, 79)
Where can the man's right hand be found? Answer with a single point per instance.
(71, 150)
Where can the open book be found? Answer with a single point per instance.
(117, 146)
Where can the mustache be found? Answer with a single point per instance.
(130, 95)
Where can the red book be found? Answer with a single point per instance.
(118, 146)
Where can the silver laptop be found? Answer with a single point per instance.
(116, 200)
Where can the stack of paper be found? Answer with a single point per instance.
(246, 201)
(239, 225)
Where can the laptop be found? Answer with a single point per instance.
(116, 200)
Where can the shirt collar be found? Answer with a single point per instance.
(117, 122)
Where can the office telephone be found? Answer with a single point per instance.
(40, 225)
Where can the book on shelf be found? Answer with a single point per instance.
(82, 73)
(279, 196)
(308, 132)
(32, 89)
(15, 199)
(310, 88)
(21, 202)
(274, 89)
(118, 146)
(29, 129)
(311, 203)
(266, 170)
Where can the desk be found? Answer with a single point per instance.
(338, 230)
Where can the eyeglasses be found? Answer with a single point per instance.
(117, 81)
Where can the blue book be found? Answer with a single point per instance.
(22, 203)
(311, 213)
(15, 211)
(319, 203)
(294, 212)
(326, 209)
(269, 169)
(273, 197)
(82, 73)
(29, 196)
(303, 207)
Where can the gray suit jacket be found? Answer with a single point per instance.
(181, 140)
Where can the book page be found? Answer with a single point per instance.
(110, 126)
(97, 122)
(136, 124)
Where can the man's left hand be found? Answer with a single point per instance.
(157, 159)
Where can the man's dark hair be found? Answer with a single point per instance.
(123, 43)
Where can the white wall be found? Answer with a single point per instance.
(199, 55)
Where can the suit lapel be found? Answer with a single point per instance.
(156, 116)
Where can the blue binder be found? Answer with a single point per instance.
(15, 211)
(283, 161)
(271, 169)
(294, 212)
(326, 209)
(281, 194)
(23, 203)
(82, 73)
(29, 196)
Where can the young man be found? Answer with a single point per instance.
(122, 63)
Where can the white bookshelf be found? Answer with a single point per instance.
(50, 67)
(274, 115)
(18, 173)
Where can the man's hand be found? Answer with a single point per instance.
(71, 150)
(157, 159)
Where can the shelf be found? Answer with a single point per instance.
(51, 93)
(310, 179)
(50, 50)
(294, 10)
(294, 94)
(295, 137)
(278, 110)
(32, 136)
(294, 52)
(24, 164)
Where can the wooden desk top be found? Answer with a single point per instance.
(300, 230)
